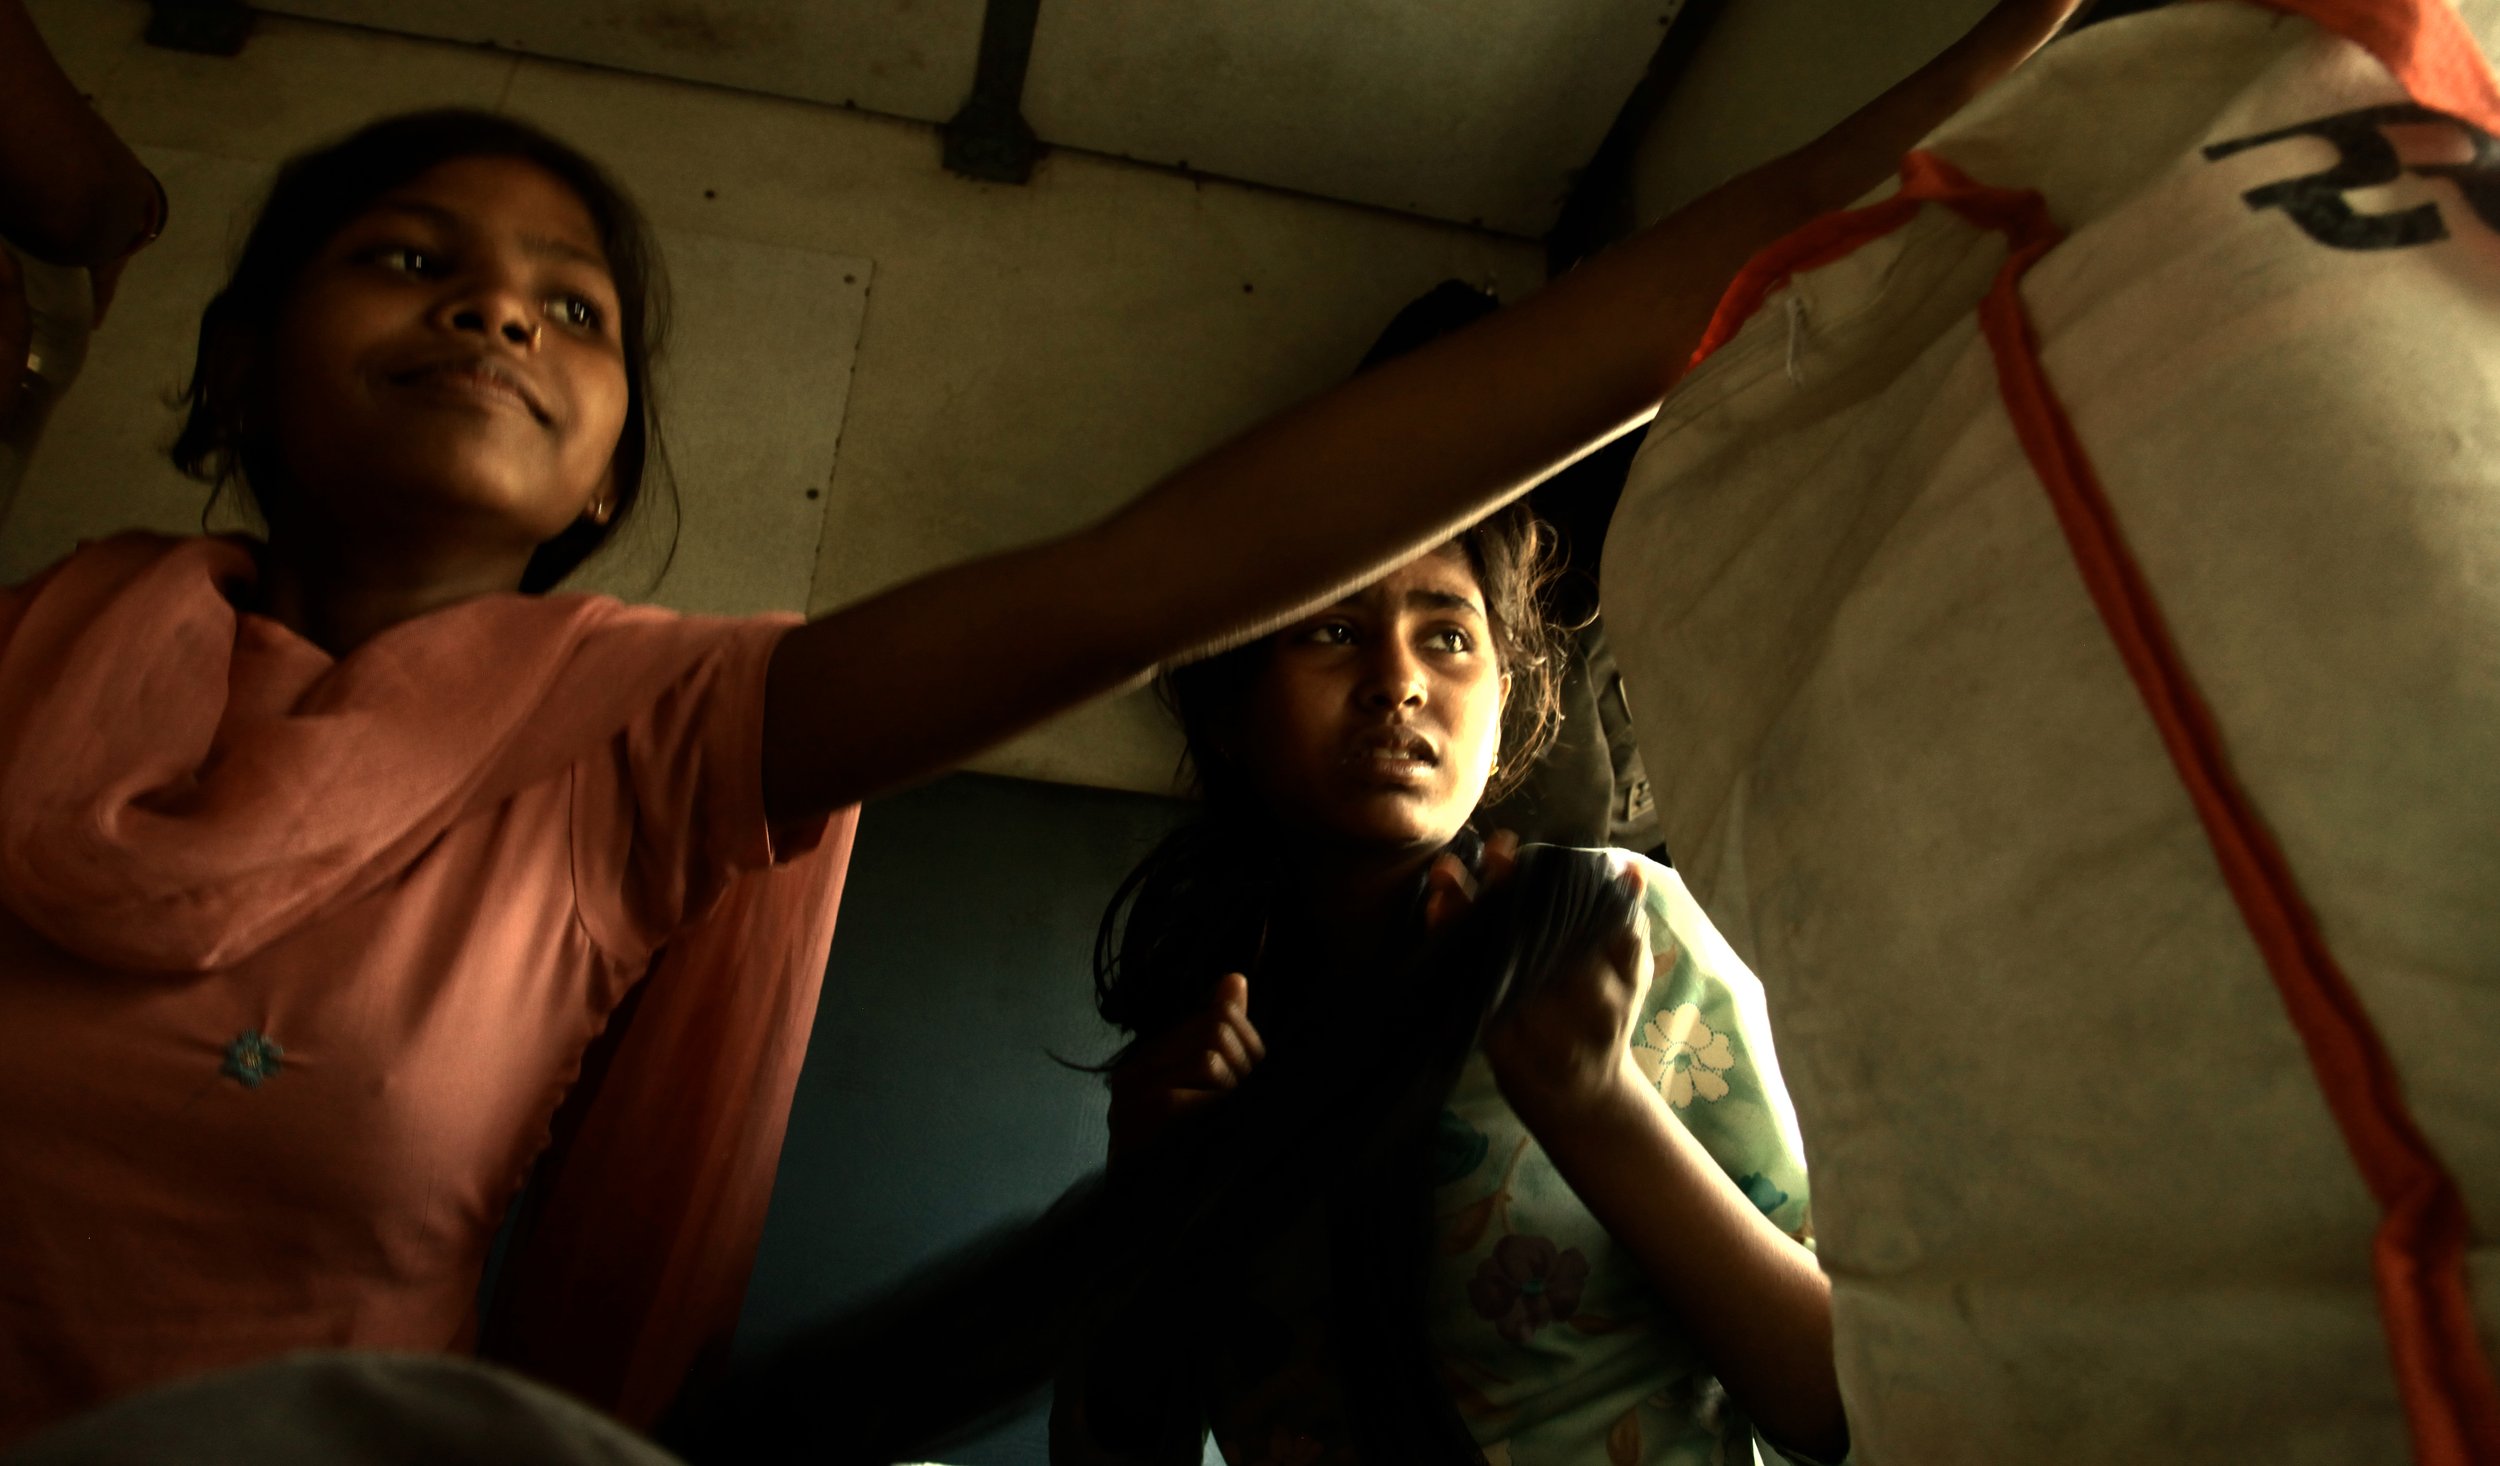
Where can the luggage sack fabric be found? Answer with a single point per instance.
(2070, 586)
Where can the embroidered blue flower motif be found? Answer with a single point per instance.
(252, 1058)
(1457, 1149)
(1758, 1189)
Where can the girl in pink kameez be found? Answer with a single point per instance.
(345, 875)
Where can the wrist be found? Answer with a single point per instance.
(1574, 1099)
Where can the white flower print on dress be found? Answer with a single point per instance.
(1685, 1056)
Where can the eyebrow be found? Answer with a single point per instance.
(1442, 600)
(546, 246)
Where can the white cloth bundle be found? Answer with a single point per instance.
(2146, 1124)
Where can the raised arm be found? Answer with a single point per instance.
(913, 681)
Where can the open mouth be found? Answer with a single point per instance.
(1395, 752)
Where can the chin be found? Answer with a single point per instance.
(456, 488)
(1398, 828)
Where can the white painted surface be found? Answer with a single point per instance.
(1462, 110)
(905, 58)
(1027, 359)
(1773, 74)
(1471, 110)
(752, 392)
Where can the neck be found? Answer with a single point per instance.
(339, 593)
(1351, 901)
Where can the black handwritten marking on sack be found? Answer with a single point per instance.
(2366, 158)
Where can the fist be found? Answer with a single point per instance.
(1567, 1045)
(1195, 1061)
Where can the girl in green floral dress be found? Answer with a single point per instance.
(1619, 1271)
(1619, 1260)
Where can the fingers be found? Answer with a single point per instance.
(1220, 1060)
(1198, 1055)
(1214, 1050)
(1232, 1002)
(1449, 890)
(1501, 857)
(1200, 1059)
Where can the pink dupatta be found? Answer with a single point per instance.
(181, 785)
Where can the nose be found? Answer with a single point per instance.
(495, 306)
(1393, 677)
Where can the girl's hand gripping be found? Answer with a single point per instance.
(1194, 1062)
(1563, 1051)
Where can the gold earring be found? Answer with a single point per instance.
(599, 510)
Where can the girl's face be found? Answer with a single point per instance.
(1376, 721)
(451, 363)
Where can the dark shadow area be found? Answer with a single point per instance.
(931, 1107)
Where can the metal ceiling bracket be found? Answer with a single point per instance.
(989, 138)
(1598, 210)
(202, 27)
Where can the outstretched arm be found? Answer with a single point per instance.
(913, 681)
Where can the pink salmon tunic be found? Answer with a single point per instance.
(301, 958)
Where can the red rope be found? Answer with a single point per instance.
(2419, 1252)
(2422, 44)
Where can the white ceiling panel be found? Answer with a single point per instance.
(1475, 111)
(751, 453)
(907, 58)
(1472, 111)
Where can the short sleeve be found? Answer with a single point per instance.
(1705, 1040)
(672, 809)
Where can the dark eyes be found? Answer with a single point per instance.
(408, 260)
(576, 311)
(1447, 639)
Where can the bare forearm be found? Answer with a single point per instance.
(1750, 1296)
(71, 192)
(916, 679)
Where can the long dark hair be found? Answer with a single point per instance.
(227, 440)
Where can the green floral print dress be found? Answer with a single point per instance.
(1554, 1346)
